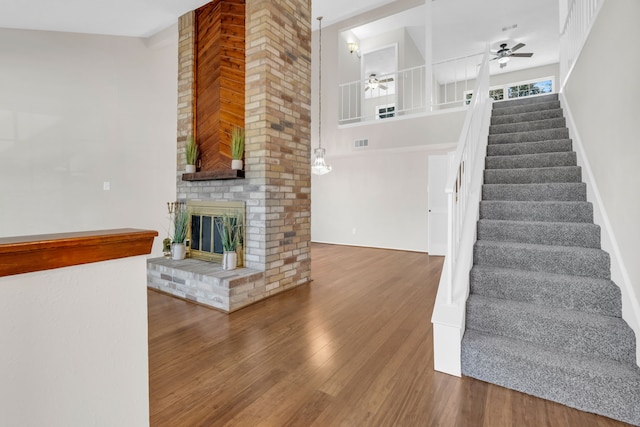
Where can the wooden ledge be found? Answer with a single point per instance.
(218, 174)
(25, 254)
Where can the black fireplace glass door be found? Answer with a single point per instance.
(195, 232)
(207, 228)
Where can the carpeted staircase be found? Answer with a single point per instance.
(543, 316)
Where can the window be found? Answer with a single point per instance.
(385, 111)
(529, 89)
(517, 90)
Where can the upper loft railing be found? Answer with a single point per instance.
(406, 92)
(581, 14)
(453, 79)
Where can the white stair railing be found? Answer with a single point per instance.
(581, 14)
(464, 190)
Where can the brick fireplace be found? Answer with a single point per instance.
(276, 189)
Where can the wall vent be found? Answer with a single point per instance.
(361, 143)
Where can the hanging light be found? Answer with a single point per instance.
(319, 167)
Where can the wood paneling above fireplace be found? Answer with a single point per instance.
(219, 79)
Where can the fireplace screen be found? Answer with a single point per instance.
(204, 236)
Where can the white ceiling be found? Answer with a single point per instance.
(465, 27)
(461, 27)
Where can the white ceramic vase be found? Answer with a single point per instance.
(229, 260)
(190, 169)
(236, 165)
(178, 251)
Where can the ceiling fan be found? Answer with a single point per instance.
(373, 82)
(504, 54)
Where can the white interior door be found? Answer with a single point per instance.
(437, 201)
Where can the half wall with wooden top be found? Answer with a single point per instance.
(73, 328)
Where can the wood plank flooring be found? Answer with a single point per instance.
(353, 348)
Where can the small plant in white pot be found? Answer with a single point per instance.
(230, 229)
(237, 147)
(180, 226)
(191, 154)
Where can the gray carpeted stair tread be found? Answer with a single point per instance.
(604, 387)
(506, 110)
(555, 123)
(533, 175)
(563, 191)
(541, 160)
(553, 146)
(540, 233)
(543, 315)
(529, 136)
(600, 296)
(529, 100)
(570, 260)
(526, 117)
(566, 330)
(558, 211)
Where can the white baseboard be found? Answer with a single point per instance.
(619, 274)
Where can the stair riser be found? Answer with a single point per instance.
(545, 160)
(531, 136)
(530, 100)
(578, 385)
(550, 259)
(596, 296)
(526, 117)
(506, 111)
(533, 176)
(607, 339)
(535, 192)
(528, 126)
(561, 234)
(537, 211)
(555, 146)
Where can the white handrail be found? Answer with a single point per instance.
(466, 168)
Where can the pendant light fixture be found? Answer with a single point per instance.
(319, 166)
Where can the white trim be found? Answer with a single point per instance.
(619, 274)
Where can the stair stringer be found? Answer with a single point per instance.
(609, 243)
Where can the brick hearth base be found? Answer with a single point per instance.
(207, 283)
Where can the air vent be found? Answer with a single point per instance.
(361, 143)
(510, 27)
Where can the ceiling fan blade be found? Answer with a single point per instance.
(366, 88)
(383, 87)
(388, 79)
(493, 59)
(522, 55)
(516, 47)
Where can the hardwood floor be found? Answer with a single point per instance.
(353, 348)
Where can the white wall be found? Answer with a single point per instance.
(80, 110)
(603, 99)
(74, 346)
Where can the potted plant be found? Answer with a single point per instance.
(230, 230)
(180, 225)
(237, 147)
(192, 154)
